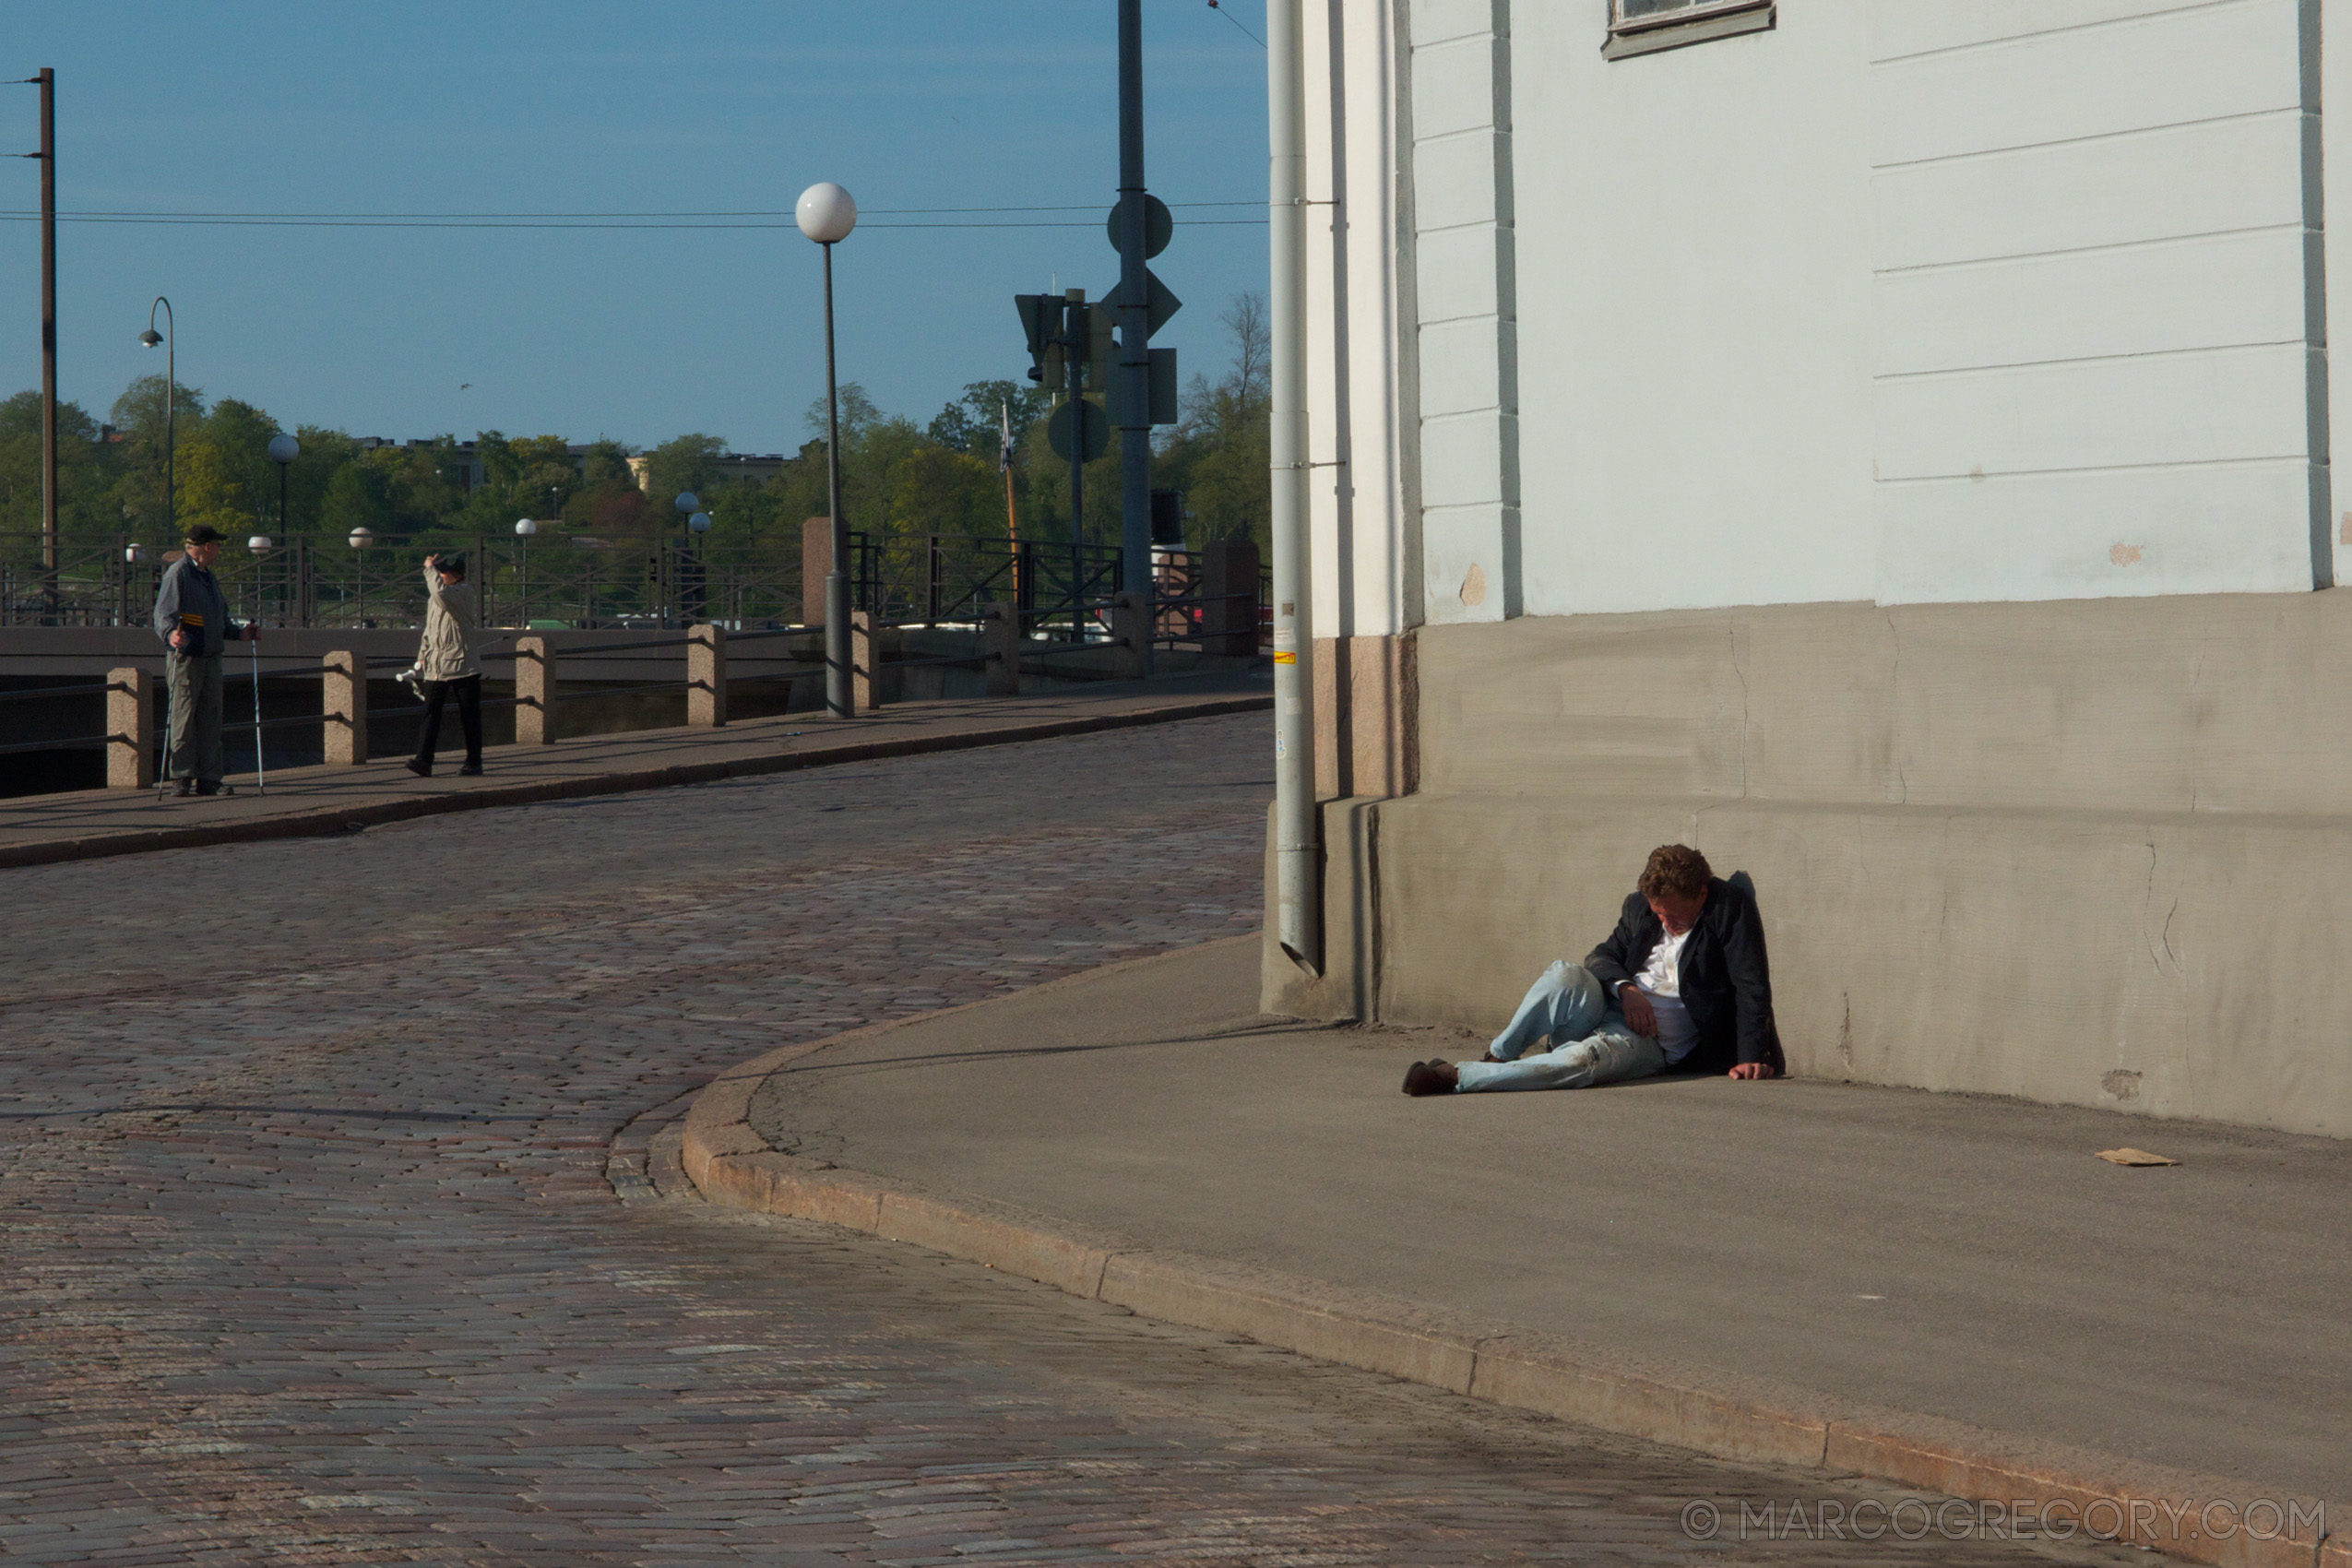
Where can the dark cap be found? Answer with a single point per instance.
(204, 533)
(453, 562)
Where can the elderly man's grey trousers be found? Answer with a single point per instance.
(194, 688)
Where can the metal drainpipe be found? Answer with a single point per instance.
(1298, 848)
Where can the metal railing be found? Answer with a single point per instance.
(899, 579)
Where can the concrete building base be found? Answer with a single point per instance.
(2088, 853)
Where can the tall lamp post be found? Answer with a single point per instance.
(360, 539)
(283, 450)
(827, 213)
(170, 339)
(524, 528)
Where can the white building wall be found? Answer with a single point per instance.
(1459, 99)
(1355, 428)
(2099, 371)
(1903, 300)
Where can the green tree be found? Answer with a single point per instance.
(681, 463)
(139, 412)
(85, 470)
(358, 495)
(974, 421)
(1220, 453)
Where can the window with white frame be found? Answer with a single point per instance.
(1644, 27)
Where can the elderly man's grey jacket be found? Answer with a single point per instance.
(191, 597)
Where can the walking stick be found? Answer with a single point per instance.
(260, 764)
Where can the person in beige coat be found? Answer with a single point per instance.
(446, 663)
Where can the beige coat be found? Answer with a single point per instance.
(451, 630)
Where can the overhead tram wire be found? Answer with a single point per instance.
(721, 219)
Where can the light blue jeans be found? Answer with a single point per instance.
(1591, 1042)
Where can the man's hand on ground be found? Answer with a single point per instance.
(1638, 1011)
(1752, 1069)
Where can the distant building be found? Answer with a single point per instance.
(734, 468)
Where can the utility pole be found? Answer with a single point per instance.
(48, 156)
(1133, 398)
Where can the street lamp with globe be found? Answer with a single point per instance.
(524, 528)
(360, 539)
(283, 450)
(826, 214)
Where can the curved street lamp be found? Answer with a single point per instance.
(148, 340)
(826, 214)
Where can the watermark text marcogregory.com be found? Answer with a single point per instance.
(2151, 1521)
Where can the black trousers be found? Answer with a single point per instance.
(469, 694)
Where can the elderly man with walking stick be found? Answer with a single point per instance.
(192, 617)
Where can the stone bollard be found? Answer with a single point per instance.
(534, 692)
(1001, 644)
(343, 706)
(865, 663)
(706, 676)
(1129, 635)
(130, 728)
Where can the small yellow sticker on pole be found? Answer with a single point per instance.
(1286, 659)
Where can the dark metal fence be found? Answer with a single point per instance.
(901, 579)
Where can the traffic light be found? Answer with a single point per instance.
(1041, 321)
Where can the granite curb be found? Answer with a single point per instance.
(1725, 1415)
(325, 821)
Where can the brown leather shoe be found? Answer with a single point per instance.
(1431, 1077)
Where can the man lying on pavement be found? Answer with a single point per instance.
(1681, 985)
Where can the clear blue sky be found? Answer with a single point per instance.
(593, 106)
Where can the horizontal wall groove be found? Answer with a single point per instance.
(2140, 19)
(2283, 459)
(1960, 373)
(2113, 247)
(2292, 111)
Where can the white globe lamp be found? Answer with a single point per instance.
(525, 527)
(826, 213)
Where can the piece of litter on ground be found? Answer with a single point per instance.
(2133, 1157)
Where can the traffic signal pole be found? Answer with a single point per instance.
(1073, 360)
(1133, 398)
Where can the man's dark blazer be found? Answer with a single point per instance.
(1727, 980)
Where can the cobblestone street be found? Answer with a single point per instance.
(312, 1254)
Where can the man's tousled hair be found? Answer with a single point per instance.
(1675, 871)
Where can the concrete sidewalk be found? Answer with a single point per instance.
(40, 830)
(1947, 1290)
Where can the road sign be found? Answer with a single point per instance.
(1160, 226)
(1160, 302)
(1161, 389)
(1096, 429)
(1102, 347)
